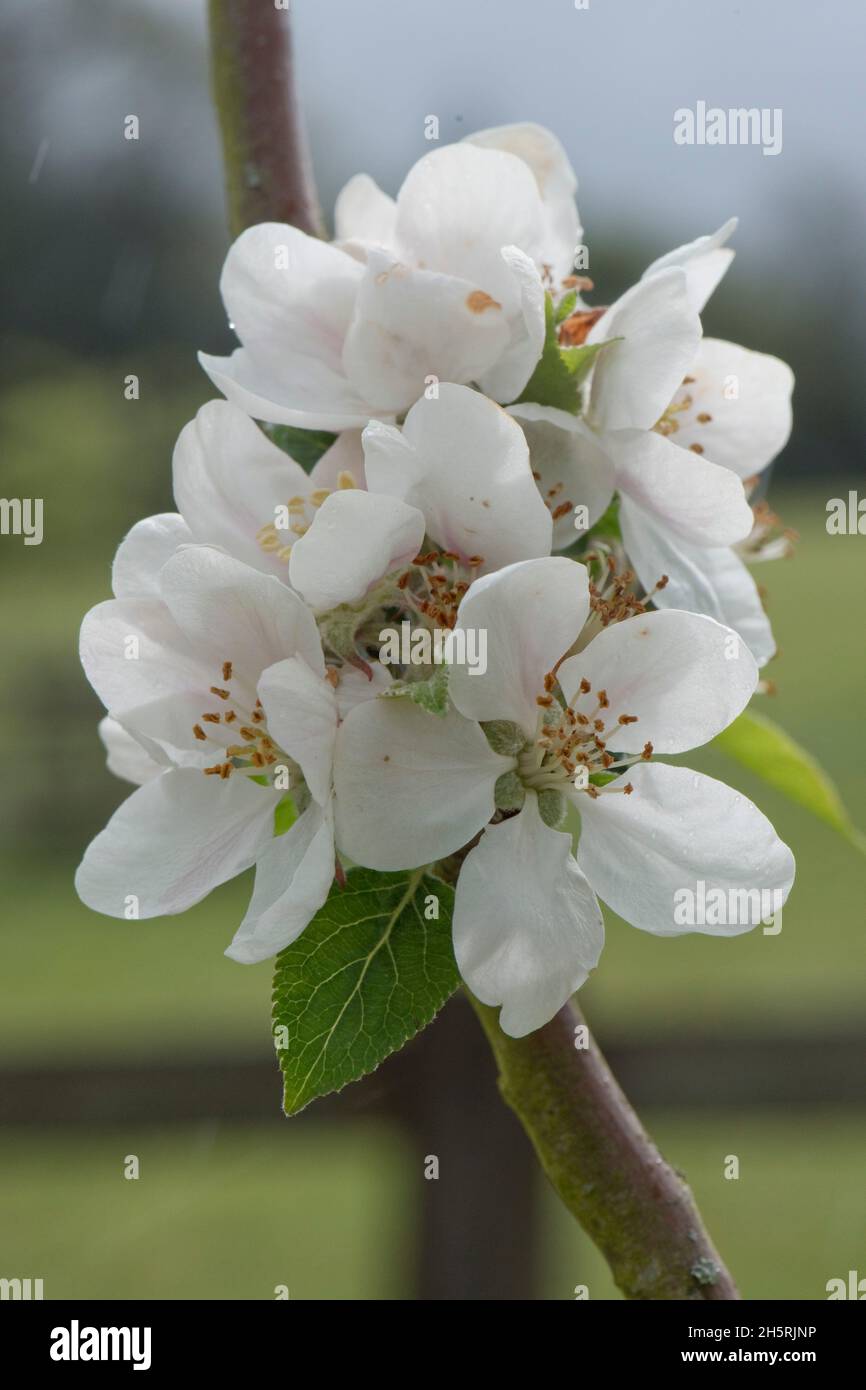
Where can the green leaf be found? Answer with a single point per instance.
(431, 694)
(285, 814)
(566, 306)
(367, 974)
(559, 371)
(764, 748)
(304, 446)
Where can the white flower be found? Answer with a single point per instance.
(237, 490)
(446, 282)
(216, 686)
(705, 261)
(458, 471)
(412, 788)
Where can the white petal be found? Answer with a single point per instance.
(676, 830)
(364, 213)
(411, 787)
(505, 380)
(414, 325)
(570, 464)
(531, 613)
(301, 710)
(133, 652)
(354, 686)
(527, 927)
(234, 613)
(556, 181)
(465, 464)
(172, 841)
(289, 298)
(228, 480)
(126, 756)
(356, 538)
(634, 380)
(705, 261)
(700, 501)
(143, 552)
(460, 205)
(710, 580)
(293, 878)
(746, 399)
(685, 678)
(345, 456)
(288, 389)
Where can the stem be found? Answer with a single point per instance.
(267, 164)
(593, 1148)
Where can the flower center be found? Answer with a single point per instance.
(571, 743)
(435, 583)
(294, 518)
(681, 404)
(240, 734)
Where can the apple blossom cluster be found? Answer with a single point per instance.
(504, 461)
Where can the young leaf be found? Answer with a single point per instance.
(431, 694)
(372, 969)
(764, 748)
(560, 370)
(304, 446)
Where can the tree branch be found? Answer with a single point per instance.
(602, 1163)
(267, 164)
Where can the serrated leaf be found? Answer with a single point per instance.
(367, 974)
(760, 745)
(560, 371)
(304, 446)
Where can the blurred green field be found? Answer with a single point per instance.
(227, 1212)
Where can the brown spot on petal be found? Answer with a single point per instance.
(478, 301)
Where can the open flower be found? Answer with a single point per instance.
(458, 472)
(220, 708)
(237, 490)
(573, 730)
(445, 282)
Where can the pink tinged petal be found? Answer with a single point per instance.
(700, 501)
(345, 458)
(460, 205)
(127, 758)
(354, 687)
(363, 213)
(143, 552)
(556, 181)
(411, 787)
(231, 612)
(229, 478)
(355, 540)
(739, 413)
(301, 710)
(531, 613)
(173, 841)
(464, 463)
(570, 467)
(505, 380)
(634, 380)
(676, 830)
(713, 581)
(414, 325)
(705, 261)
(293, 878)
(527, 926)
(683, 676)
